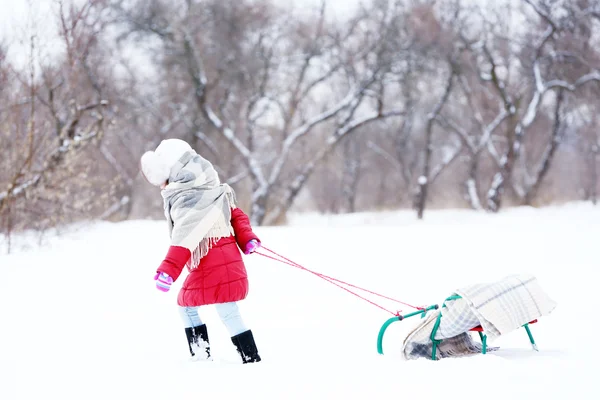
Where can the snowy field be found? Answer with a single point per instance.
(80, 317)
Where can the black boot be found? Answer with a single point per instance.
(246, 348)
(197, 338)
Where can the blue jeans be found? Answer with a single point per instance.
(228, 312)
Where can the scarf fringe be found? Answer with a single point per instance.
(216, 233)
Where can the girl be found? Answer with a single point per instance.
(206, 229)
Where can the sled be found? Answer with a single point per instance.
(423, 312)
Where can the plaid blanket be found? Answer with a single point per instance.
(499, 307)
(197, 206)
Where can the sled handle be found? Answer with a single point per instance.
(390, 321)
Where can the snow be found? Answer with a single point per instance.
(81, 319)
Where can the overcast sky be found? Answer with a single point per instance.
(12, 11)
(18, 16)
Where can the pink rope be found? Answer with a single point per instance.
(284, 260)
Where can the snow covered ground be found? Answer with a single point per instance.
(80, 317)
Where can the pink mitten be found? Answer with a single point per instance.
(252, 246)
(163, 281)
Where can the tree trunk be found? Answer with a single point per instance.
(8, 228)
(351, 175)
(501, 178)
(423, 181)
(549, 153)
(471, 187)
(593, 190)
(260, 198)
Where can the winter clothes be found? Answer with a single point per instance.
(252, 246)
(156, 165)
(197, 206)
(204, 224)
(163, 281)
(246, 347)
(197, 338)
(207, 232)
(221, 275)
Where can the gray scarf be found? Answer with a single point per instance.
(197, 206)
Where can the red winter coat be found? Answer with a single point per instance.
(221, 275)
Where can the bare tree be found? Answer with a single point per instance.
(293, 104)
(58, 112)
(424, 178)
(514, 81)
(539, 88)
(435, 103)
(548, 155)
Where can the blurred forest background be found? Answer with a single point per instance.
(395, 104)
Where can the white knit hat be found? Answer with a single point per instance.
(157, 164)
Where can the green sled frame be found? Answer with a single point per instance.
(423, 312)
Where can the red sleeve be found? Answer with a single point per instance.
(242, 228)
(174, 261)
